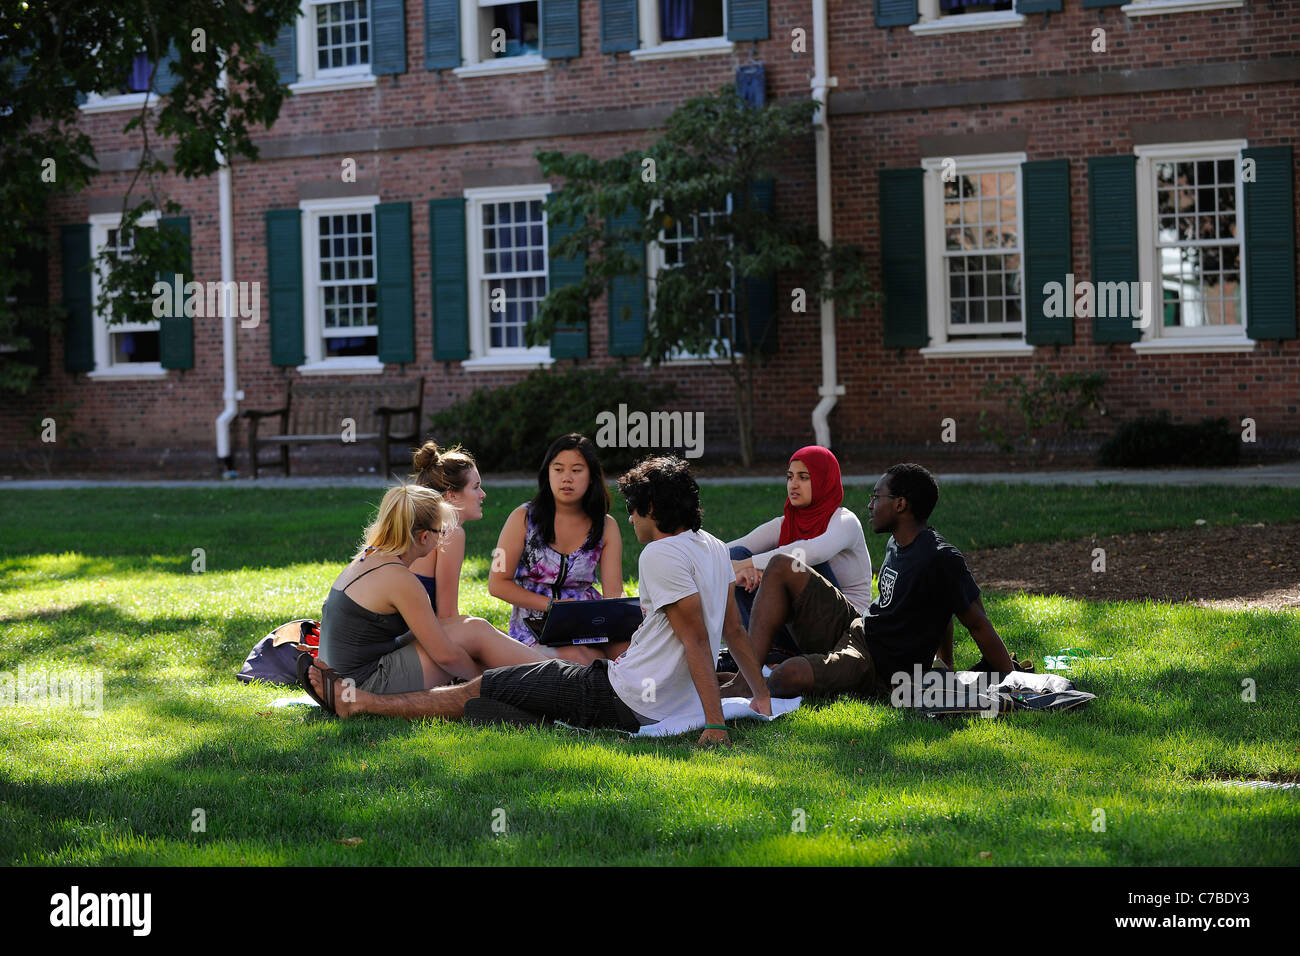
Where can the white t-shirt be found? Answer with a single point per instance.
(652, 676)
(842, 544)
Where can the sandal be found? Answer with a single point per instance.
(305, 662)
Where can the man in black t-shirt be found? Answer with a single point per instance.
(923, 583)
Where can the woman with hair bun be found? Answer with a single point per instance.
(377, 624)
(555, 546)
(454, 475)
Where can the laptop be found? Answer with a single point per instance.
(591, 622)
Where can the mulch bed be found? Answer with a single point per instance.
(1255, 566)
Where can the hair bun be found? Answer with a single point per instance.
(426, 456)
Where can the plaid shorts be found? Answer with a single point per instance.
(576, 694)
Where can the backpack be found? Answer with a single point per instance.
(274, 659)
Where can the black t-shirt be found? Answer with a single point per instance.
(921, 587)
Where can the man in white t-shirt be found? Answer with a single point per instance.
(667, 672)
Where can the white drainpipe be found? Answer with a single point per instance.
(830, 389)
(229, 393)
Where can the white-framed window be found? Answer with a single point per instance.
(130, 349)
(674, 28)
(954, 16)
(974, 240)
(1149, 8)
(508, 242)
(340, 286)
(335, 45)
(669, 251)
(500, 36)
(1191, 241)
(131, 93)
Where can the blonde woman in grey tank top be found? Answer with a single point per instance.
(376, 600)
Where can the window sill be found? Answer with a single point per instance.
(970, 22)
(358, 81)
(507, 363)
(1190, 343)
(529, 63)
(1153, 8)
(125, 373)
(360, 365)
(706, 46)
(112, 104)
(977, 350)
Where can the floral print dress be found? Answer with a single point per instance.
(540, 566)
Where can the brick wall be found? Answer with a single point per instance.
(891, 397)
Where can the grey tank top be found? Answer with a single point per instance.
(352, 638)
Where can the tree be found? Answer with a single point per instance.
(49, 54)
(707, 179)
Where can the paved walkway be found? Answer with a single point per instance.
(1284, 476)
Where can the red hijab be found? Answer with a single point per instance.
(827, 495)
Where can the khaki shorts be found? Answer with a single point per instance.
(399, 672)
(828, 630)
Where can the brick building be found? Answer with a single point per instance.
(980, 151)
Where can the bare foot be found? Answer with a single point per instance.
(346, 695)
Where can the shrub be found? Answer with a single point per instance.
(1050, 406)
(1152, 441)
(510, 428)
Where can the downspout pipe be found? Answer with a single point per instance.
(830, 389)
(229, 393)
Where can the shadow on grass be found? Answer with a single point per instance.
(75, 634)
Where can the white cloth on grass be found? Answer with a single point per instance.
(733, 708)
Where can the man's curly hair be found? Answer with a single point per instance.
(665, 487)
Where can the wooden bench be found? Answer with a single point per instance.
(384, 414)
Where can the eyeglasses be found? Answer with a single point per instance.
(874, 496)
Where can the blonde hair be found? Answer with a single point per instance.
(406, 511)
(442, 470)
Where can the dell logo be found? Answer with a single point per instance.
(597, 621)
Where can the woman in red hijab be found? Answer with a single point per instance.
(815, 527)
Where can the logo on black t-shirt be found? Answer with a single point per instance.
(887, 578)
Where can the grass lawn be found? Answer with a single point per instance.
(101, 580)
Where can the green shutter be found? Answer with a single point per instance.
(896, 13)
(447, 252)
(1047, 246)
(1270, 245)
(746, 19)
(618, 26)
(284, 276)
(570, 341)
(285, 53)
(1089, 4)
(561, 31)
(441, 34)
(1112, 219)
(395, 295)
(79, 330)
(34, 293)
(164, 79)
(760, 293)
(176, 333)
(1038, 6)
(902, 258)
(627, 294)
(387, 37)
